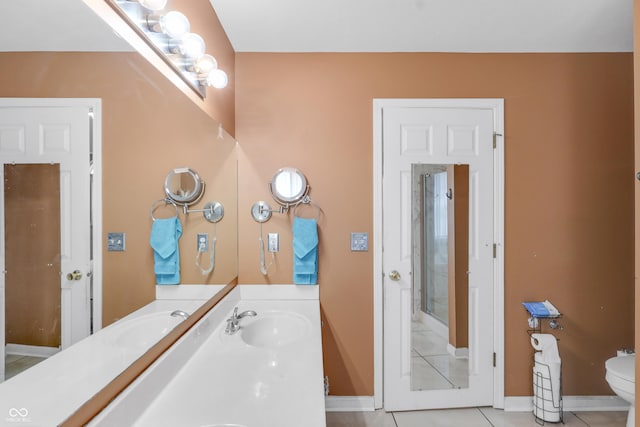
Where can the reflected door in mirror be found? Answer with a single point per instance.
(32, 248)
(32, 259)
(44, 134)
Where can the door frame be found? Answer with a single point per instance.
(497, 106)
(95, 125)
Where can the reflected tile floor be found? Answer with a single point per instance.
(469, 417)
(432, 367)
(14, 364)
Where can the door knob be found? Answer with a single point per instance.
(76, 275)
(394, 275)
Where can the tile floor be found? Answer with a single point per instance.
(14, 364)
(432, 367)
(469, 417)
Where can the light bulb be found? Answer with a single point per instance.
(153, 4)
(205, 64)
(174, 24)
(217, 78)
(192, 45)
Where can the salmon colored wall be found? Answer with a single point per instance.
(569, 200)
(148, 128)
(458, 217)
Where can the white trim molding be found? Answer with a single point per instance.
(349, 404)
(569, 403)
(511, 403)
(459, 352)
(31, 350)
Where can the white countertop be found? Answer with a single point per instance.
(47, 393)
(209, 378)
(230, 382)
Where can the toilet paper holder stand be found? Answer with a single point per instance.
(545, 409)
(536, 318)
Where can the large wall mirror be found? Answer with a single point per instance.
(439, 333)
(148, 126)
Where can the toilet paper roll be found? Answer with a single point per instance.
(547, 344)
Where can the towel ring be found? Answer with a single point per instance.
(306, 201)
(166, 202)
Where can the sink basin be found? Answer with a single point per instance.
(144, 331)
(275, 329)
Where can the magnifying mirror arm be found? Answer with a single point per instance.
(186, 210)
(283, 209)
(212, 211)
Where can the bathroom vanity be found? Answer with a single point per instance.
(47, 393)
(267, 374)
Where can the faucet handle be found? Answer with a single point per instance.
(235, 313)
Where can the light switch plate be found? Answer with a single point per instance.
(274, 243)
(359, 242)
(116, 242)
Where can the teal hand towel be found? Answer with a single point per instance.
(305, 251)
(165, 233)
(305, 236)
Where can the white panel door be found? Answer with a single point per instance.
(436, 136)
(57, 135)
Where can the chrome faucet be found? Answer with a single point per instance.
(232, 322)
(180, 313)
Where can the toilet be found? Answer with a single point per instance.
(622, 380)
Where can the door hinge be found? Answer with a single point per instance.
(494, 359)
(495, 250)
(495, 137)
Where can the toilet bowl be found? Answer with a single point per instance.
(622, 380)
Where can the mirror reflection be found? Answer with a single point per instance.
(141, 114)
(183, 186)
(288, 186)
(439, 335)
(32, 286)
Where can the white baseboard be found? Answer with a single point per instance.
(458, 353)
(435, 325)
(349, 404)
(31, 350)
(511, 404)
(569, 403)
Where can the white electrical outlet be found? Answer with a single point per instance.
(273, 242)
(203, 242)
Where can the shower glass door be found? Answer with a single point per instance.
(435, 281)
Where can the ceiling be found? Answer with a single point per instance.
(427, 25)
(352, 26)
(55, 25)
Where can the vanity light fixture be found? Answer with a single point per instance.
(153, 4)
(205, 64)
(174, 24)
(190, 45)
(168, 33)
(217, 78)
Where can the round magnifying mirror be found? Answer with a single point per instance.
(183, 186)
(288, 186)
